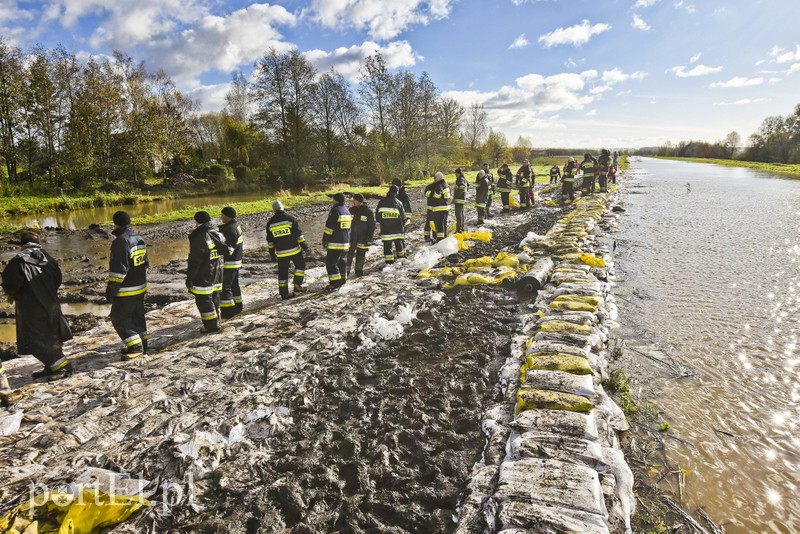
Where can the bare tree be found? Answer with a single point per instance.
(375, 87)
(237, 99)
(731, 142)
(475, 128)
(449, 114)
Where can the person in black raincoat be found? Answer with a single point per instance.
(481, 195)
(403, 198)
(31, 279)
(127, 285)
(390, 215)
(336, 240)
(231, 297)
(459, 199)
(505, 185)
(361, 233)
(204, 270)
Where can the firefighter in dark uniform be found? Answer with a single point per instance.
(440, 206)
(204, 272)
(336, 240)
(402, 196)
(286, 246)
(429, 230)
(361, 233)
(555, 173)
(127, 285)
(31, 280)
(391, 215)
(481, 195)
(459, 199)
(603, 163)
(525, 177)
(490, 194)
(567, 181)
(589, 168)
(230, 300)
(505, 185)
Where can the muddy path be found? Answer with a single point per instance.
(299, 417)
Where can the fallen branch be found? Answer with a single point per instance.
(716, 529)
(686, 517)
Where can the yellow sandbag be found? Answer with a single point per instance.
(573, 306)
(484, 261)
(504, 259)
(563, 326)
(549, 203)
(477, 235)
(62, 513)
(558, 362)
(462, 245)
(531, 399)
(512, 200)
(585, 299)
(574, 281)
(425, 273)
(593, 261)
(568, 257)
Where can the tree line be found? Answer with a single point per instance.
(777, 140)
(109, 123)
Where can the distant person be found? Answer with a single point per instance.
(402, 196)
(567, 181)
(505, 185)
(204, 270)
(286, 245)
(612, 174)
(589, 168)
(429, 230)
(490, 194)
(336, 240)
(459, 199)
(616, 159)
(127, 285)
(390, 215)
(441, 205)
(230, 300)
(525, 177)
(31, 280)
(603, 164)
(481, 195)
(555, 173)
(361, 234)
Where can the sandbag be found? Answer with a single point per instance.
(573, 306)
(582, 385)
(563, 326)
(529, 398)
(537, 444)
(557, 362)
(557, 422)
(593, 261)
(505, 259)
(516, 517)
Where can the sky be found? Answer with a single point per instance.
(562, 73)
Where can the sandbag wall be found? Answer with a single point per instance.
(552, 461)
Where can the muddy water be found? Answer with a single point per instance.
(712, 261)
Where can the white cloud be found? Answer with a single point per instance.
(520, 42)
(616, 75)
(592, 113)
(644, 3)
(347, 61)
(623, 93)
(639, 23)
(382, 20)
(773, 81)
(697, 70)
(695, 58)
(742, 102)
(738, 81)
(211, 98)
(220, 43)
(781, 55)
(574, 35)
(689, 8)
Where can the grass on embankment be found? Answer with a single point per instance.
(787, 169)
(31, 204)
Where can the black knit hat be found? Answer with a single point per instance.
(121, 218)
(202, 217)
(398, 182)
(338, 197)
(28, 235)
(393, 191)
(359, 197)
(228, 211)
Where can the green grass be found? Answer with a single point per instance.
(788, 169)
(30, 204)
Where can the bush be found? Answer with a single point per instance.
(240, 173)
(216, 172)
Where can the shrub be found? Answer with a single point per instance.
(240, 173)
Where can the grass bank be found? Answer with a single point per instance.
(33, 204)
(786, 169)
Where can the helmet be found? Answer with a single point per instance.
(438, 176)
(571, 160)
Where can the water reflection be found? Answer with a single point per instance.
(721, 279)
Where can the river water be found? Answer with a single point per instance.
(711, 257)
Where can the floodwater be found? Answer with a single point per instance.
(711, 257)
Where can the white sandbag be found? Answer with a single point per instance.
(624, 487)
(560, 381)
(10, 423)
(521, 517)
(554, 347)
(538, 444)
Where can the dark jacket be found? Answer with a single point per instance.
(604, 161)
(555, 172)
(505, 181)
(128, 265)
(482, 185)
(363, 228)
(438, 196)
(524, 176)
(32, 277)
(284, 237)
(390, 215)
(337, 228)
(460, 193)
(234, 238)
(204, 271)
(589, 166)
(569, 171)
(403, 198)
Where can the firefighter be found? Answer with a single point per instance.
(459, 199)
(505, 185)
(441, 205)
(403, 198)
(490, 193)
(603, 163)
(481, 194)
(336, 240)
(390, 215)
(429, 230)
(555, 173)
(230, 300)
(612, 174)
(567, 181)
(286, 245)
(589, 168)
(525, 178)
(31, 280)
(127, 285)
(204, 270)
(361, 233)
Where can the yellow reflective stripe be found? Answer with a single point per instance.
(334, 277)
(287, 252)
(201, 290)
(440, 208)
(391, 237)
(232, 265)
(131, 291)
(208, 316)
(363, 247)
(338, 246)
(115, 279)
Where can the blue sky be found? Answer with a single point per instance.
(614, 73)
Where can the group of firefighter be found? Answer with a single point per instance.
(31, 279)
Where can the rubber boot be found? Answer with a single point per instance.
(300, 289)
(4, 386)
(62, 371)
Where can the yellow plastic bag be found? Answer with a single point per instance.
(592, 261)
(504, 259)
(483, 261)
(512, 199)
(478, 235)
(585, 299)
(573, 306)
(531, 398)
